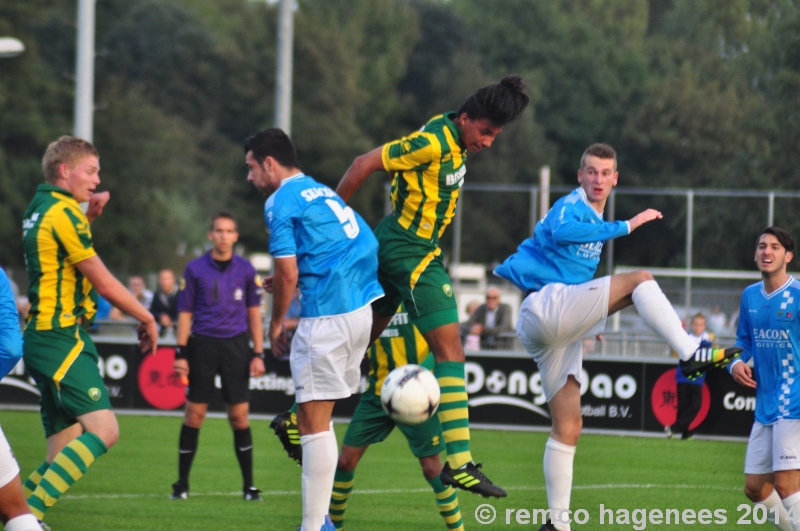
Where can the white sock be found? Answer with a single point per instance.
(558, 459)
(319, 466)
(23, 522)
(657, 312)
(793, 500)
(773, 500)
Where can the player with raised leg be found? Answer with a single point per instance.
(563, 305)
(322, 245)
(428, 169)
(768, 330)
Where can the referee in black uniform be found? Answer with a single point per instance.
(219, 302)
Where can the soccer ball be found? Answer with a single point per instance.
(410, 394)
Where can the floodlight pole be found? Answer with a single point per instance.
(283, 74)
(84, 71)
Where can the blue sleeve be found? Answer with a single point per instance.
(10, 334)
(187, 293)
(570, 228)
(744, 338)
(281, 229)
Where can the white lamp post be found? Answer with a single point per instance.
(10, 47)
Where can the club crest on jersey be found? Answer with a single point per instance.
(95, 394)
(237, 294)
(448, 290)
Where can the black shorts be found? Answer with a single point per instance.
(229, 357)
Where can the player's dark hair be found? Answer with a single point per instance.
(784, 238)
(601, 151)
(272, 142)
(500, 103)
(222, 214)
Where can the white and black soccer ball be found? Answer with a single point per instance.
(410, 394)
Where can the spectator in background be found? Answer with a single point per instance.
(490, 320)
(470, 343)
(165, 302)
(690, 392)
(717, 322)
(139, 290)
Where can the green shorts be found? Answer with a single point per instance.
(371, 424)
(64, 364)
(411, 271)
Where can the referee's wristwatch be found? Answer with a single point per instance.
(258, 355)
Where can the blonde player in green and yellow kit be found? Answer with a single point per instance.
(400, 344)
(63, 273)
(427, 169)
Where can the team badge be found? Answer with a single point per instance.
(448, 290)
(237, 294)
(435, 440)
(95, 394)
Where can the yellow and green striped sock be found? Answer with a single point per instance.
(67, 468)
(454, 412)
(447, 503)
(33, 480)
(342, 487)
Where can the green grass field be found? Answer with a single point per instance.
(128, 488)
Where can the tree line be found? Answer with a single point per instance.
(692, 95)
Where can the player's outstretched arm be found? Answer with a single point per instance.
(643, 217)
(743, 374)
(362, 167)
(284, 282)
(112, 290)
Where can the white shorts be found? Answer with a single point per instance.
(553, 323)
(9, 469)
(773, 447)
(326, 355)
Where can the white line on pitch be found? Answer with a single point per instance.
(408, 491)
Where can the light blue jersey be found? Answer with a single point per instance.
(565, 246)
(10, 334)
(768, 329)
(337, 254)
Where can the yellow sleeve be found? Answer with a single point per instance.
(71, 229)
(413, 152)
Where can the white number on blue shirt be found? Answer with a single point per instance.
(346, 217)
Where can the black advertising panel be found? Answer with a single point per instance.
(508, 390)
(727, 407)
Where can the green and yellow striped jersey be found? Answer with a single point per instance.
(427, 170)
(56, 236)
(400, 344)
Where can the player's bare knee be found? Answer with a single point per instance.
(785, 488)
(641, 276)
(431, 466)
(756, 489)
(239, 422)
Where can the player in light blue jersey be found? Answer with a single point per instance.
(563, 305)
(768, 330)
(322, 245)
(14, 512)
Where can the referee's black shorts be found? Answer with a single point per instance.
(229, 357)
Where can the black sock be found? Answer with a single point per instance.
(187, 447)
(243, 444)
